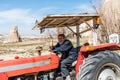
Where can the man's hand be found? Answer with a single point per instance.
(51, 46)
(51, 51)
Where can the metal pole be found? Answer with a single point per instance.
(94, 37)
(77, 36)
(94, 32)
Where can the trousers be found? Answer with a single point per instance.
(65, 63)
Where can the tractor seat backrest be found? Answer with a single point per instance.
(78, 49)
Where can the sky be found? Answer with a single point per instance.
(24, 13)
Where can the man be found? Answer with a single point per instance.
(69, 53)
(63, 46)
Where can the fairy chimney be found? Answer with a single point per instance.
(111, 8)
(13, 36)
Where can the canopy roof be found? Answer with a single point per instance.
(52, 21)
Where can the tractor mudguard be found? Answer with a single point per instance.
(86, 50)
(100, 47)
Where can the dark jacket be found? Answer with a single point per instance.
(73, 53)
(64, 48)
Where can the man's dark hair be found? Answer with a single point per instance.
(62, 35)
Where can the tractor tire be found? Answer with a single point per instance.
(102, 65)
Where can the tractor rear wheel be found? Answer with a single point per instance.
(103, 65)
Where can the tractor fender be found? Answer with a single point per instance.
(85, 51)
(100, 47)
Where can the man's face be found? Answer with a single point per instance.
(61, 39)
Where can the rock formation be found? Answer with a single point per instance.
(110, 18)
(111, 14)
(13, 36)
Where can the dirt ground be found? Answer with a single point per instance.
(23, 49)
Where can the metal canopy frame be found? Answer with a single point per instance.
(54, 21)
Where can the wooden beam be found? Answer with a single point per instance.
(85, 30)
(83, 21)
(52, 21)
(71, 29)
(66, 21)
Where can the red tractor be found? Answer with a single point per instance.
(98, 62)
